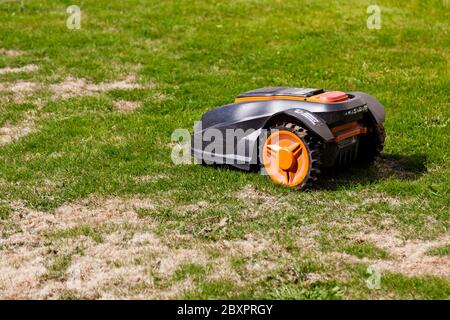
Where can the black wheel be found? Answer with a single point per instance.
(371, 145)
(290, 155)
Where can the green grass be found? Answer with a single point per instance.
(4, 212)
(440, 251)
(58, 266)
(200, 54)
(77, 231)
(218, 289)
(417, 288)
(367, 250)
(319, 292)
(189, 270)
(396, 286)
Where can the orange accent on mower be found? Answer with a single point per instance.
(286, 158)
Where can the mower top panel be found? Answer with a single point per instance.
(281, 91)
(254, 108)
(293, 93)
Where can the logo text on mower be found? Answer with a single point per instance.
(363, 108)
(308, 116)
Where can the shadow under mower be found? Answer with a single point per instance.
(291, 133)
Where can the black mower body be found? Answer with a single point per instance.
(260, 109)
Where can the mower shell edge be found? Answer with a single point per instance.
(376, 109)
(310, 121)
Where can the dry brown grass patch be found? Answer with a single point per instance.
(259, 202)
(72, 87)
(132, 260)
(10, 52)
(20, 87)
(126, 106)
(195, 207)
(20, 91)
(27, 252)
(25, 69)
(409, 257)
(151, 178)
(123, 264)
(11, 132)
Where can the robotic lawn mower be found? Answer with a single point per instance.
(291, 133)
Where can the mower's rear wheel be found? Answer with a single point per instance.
(290, 155)
(372, 144)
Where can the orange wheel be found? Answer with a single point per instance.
(286, 158)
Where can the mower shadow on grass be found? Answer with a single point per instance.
(387, 166)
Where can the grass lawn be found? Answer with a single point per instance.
(91, 205)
